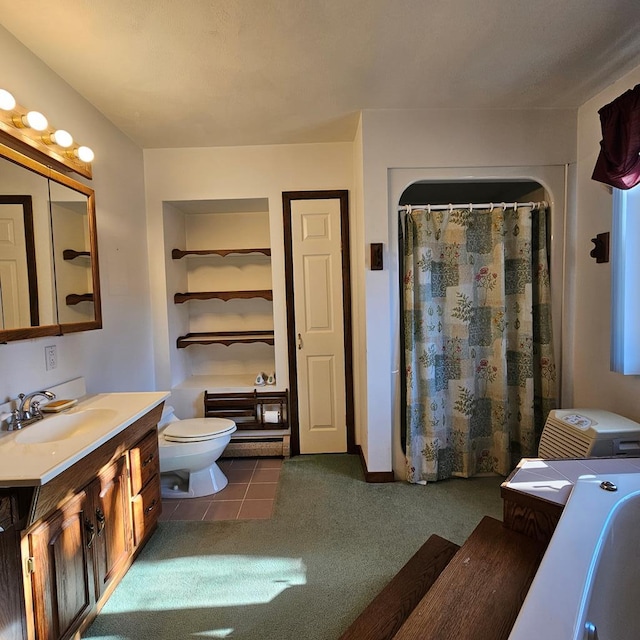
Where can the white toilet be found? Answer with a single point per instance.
(188, 453)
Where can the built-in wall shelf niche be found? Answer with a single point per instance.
(218, 264)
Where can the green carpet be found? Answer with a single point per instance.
(333, 542)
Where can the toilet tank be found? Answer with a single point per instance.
(583, 433)
(167, 417)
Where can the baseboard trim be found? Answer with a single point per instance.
(374, 476)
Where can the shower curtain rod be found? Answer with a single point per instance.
(407, 208)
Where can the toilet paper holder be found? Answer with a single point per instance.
(250, 410)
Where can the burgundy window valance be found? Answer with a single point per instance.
(618, 164)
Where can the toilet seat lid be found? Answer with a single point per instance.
(198, 429)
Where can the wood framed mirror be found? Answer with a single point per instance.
(49, 277)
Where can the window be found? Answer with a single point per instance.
(625, 283)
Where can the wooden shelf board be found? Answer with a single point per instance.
(226, 338)
(177, 254)
(76, 298)
(71, 254)
(179, 298)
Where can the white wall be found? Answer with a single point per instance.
(230, 173)
(358, 262)
(174, 226)
(119, 357)
(594, 384)
(433, 139)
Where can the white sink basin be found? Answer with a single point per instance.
(64, 425)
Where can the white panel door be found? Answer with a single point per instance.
(14, 279)
(317, 281)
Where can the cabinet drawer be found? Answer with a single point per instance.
(144, 460)
(147, 507)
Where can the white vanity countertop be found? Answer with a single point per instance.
(26, 462)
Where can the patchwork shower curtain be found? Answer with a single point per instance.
(480, 375)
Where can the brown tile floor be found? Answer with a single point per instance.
(249, 495)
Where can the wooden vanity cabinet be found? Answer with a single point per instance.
(79, 535)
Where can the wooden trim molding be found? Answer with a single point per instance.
(343, 196)
(32, 277)
(374, 476)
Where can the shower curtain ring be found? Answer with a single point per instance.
(450, 207)
(491, 209)
(470, 207)
(504, 207)
(429, 209)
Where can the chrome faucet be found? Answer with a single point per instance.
(28, 410)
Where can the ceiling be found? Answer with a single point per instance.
(173, 73)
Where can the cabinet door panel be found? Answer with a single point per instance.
(11, 603)
(113, 528)
(62, 581)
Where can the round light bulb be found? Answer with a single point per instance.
(62, 138)
(35, 120)
(7, 101)
(85, 154)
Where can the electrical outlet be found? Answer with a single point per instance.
(51, 357)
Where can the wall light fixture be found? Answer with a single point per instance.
(29, 132)
(7, 101)
(85, 154)
(60, 137)
(32, 120)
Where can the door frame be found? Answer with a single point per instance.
(26, 202)
(287, 198)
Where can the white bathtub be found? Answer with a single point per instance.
(590, 573)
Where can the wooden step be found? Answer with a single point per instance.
(391, 607)
(480, 592)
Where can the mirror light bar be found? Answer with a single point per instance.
(31, 128)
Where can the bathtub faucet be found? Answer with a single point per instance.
(28, 410)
